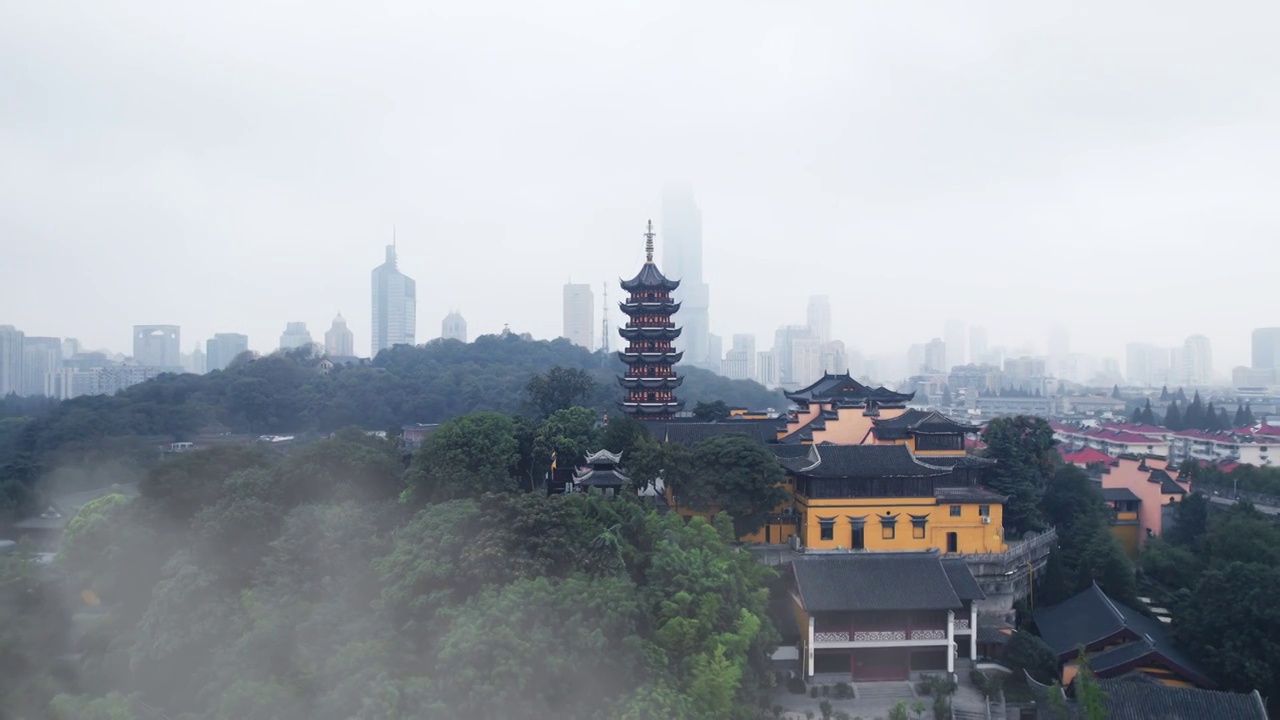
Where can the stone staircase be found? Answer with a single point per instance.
(883, 690)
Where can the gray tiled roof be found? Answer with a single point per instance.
(1091, 616)
(1114, 494)
(967, 494)
(875, 581)
(874, 461)
(843, 387)
(919, 421)
(1082, 619)
(1138, 697)
(691, 433)
(962, 581)
(1167, 485)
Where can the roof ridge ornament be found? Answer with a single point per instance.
(648, 243)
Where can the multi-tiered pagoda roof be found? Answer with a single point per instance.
(650, 354)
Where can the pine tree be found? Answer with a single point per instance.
(1210, 418)
(1181, 396)
(1248, 416)
(1193, 416)
(1224, 422)
(1239, 418)
(1173, 417)
(1115, 391)
(1164, 393)
(1148, 415)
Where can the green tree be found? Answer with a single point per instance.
(670, 462)
(1231, 624)
(1190, 521)
(182, 485)
(558, 388)
(623, 435)
(466, 457)
(233, 533)
(708, 411)
(1054, 587)
(734, 474)
(1023, 448)
(1077, 510)
(33, 634)
(1090, 699)
(1173, 417)
(539, 648)
(571, 434)
(1028, 652)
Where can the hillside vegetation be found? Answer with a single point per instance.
(94, 440)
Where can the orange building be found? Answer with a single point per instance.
(864, 472)
(1151, 480)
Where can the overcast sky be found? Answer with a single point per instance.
(236, 165)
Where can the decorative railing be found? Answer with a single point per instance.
(936, 634)
(880, 635)
(962, 623)
(831, 637)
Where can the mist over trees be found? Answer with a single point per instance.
(95, 440)
(335, 582)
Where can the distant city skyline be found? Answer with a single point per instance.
(999, 183)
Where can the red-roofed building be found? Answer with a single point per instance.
(1087, 456)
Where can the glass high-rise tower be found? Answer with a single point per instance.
(395, 305)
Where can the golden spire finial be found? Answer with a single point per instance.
(648, 243)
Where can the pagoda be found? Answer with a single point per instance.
(650, 356)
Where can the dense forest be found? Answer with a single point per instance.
(333, 582)
(1220, 572)
(92, 441)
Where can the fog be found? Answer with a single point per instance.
(229, 168)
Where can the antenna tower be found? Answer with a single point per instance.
(604, 321)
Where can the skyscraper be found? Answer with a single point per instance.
(1266, 351)
(1197, 360)
(338, 339)
(935, 356)
(395, 305)
(295, 335)
(454, 327)
(819, 317)
(41, 357)
(953, 336)
(682, 257)
(222, 348)
(978, 345)
(1059, 349)
(10, 360)
(579, 315)
(158, 346)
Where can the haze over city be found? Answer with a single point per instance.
(1012, 165)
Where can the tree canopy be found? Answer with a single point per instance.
(332, 581)
(289, 393)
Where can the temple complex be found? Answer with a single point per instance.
(650, 356)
